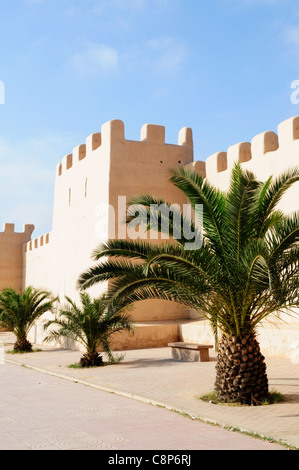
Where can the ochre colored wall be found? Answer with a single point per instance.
(11, 256)
(142, 168)
(87, 181)
(107, 166)
(267, 154)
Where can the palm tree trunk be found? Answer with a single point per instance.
(241, 371)
(91, 359)
(22, 345)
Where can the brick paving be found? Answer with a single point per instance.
(152, 376)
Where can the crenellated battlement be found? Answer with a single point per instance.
(93, 142)
(37, 242)
(261, 145)
(9, 229)
(113, 132)
(198, 166)
(122, 166)
(104, 173)
(11, 255)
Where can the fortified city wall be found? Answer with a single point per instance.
(11, 255)
(267, 154)
(87, 182)
(93, 177)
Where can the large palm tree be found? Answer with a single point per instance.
(92, 324)
(20, 310)
(246, 269)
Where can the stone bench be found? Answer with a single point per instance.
(191, 352)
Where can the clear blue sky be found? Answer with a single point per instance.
(222, 67)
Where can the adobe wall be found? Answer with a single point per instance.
(141, 167)
(107, 166)
(267, 154)
(89, 180)
(11, 256)
(81, 185)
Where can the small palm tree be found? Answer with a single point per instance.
(19, 312)
(92, 324)
(246, 269)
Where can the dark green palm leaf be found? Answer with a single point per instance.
(246, 268)
(91, 323)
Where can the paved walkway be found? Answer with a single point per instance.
(43, 412)
(153, 377)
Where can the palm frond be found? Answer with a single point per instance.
(91, 323)
(20, 310)
(270, 194)
(246, 268)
